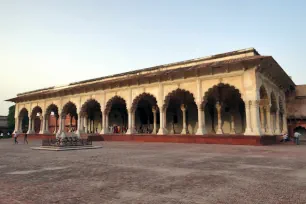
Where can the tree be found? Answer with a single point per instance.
(11, 118)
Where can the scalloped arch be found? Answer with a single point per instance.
(51, 108)
(83, 106)
(24, 111)
(211, 89)
(66, 106)
(173, 93)
(111, 101)
(35, 110)
(141, 96)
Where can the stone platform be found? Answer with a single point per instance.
(52, 148)
(199, 139)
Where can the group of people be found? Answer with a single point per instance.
(117, 129)
(296, 137)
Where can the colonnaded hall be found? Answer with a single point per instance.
(236, 97)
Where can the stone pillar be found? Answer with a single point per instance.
(248, 128)
(61, 128)
(130, 123)
(42, 124)
(79, 130)
(29, 127)
(20, 124)
(183, 109)
(105, 129)
(277, 128)
(133, 123)
(154, 109)
(162, 119)
(85, 124)
(285, 126)
(56, 122)
(47, 125)
(268, 125)
(201, 120)
(233, 131)
(262, 118)
(17, 130)
(255, 119)
(219, 107)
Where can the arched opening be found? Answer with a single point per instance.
(181, 112)
(263, 108)
(52, 118)
(117, 115)
(23, 120)
(36, 117)
(224, 110)
(302, 131)
(70, 117)
(146, 112)
(273, 112)
(91, 112)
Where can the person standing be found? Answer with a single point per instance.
(15, 138)
(25, 139)
(297, 138)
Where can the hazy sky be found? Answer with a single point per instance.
(46, 43)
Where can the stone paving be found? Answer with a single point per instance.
(127, 172)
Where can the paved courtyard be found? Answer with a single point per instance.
(153, 173)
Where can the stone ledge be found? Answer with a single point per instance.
(52, 148)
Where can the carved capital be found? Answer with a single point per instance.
(183, 107)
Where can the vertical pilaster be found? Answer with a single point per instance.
(30, 131)
(162, 119)
(268, 125)
(277, 128)
(285, 126)
(233, 130)
(183, 109)
(248, 128)
(154, 109)
(255, 119)
(201, 120)
(219, 108)
(262, 118)
(42, 124)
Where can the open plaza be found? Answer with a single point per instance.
(130, 172)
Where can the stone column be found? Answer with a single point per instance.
(233, 131)
(248, 128)
(29, 127)
(79, 130)
(17, 130)
(183, 109)
(219, 107)
(262, 118)
(61, 129)
(133, 123)
(162, 120)
(56, 122)
(268, 125)
(104, 124)
(47, 125)
(201, 120)
(277, 128)
(285, 126)
(256, 127)
(20, 124)
(154, 109)
(42, 124)
(130, 123)
(85, 124)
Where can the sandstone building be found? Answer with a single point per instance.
(236, 94)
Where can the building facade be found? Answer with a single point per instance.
(3, 125)
(235, 93)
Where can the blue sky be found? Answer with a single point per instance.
(46, 43)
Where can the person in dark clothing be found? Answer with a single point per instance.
(25, 139)
(15, 138)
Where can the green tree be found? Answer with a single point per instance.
(11, 118)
